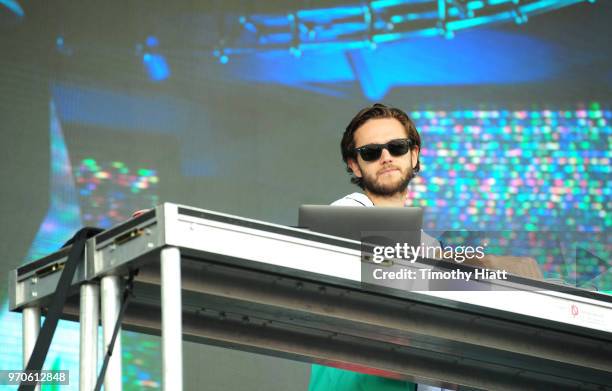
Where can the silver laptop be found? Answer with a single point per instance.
(381, 226)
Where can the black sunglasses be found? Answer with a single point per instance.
(397, 147)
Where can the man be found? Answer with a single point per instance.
(380, 148)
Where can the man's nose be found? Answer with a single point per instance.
(385, 156)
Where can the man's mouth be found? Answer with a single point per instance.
(388, 170)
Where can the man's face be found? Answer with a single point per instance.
(389, 174)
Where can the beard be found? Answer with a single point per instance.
(374, 184)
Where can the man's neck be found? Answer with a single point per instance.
(397, 199)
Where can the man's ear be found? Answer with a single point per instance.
(415, 156)
(352, 163)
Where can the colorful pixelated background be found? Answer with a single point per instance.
(108, 110)
(531, 182)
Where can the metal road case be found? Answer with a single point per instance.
(244, 284)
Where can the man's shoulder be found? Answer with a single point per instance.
(353, 199)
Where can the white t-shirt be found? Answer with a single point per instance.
(354, 199)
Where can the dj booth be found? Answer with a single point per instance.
(244, 284)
